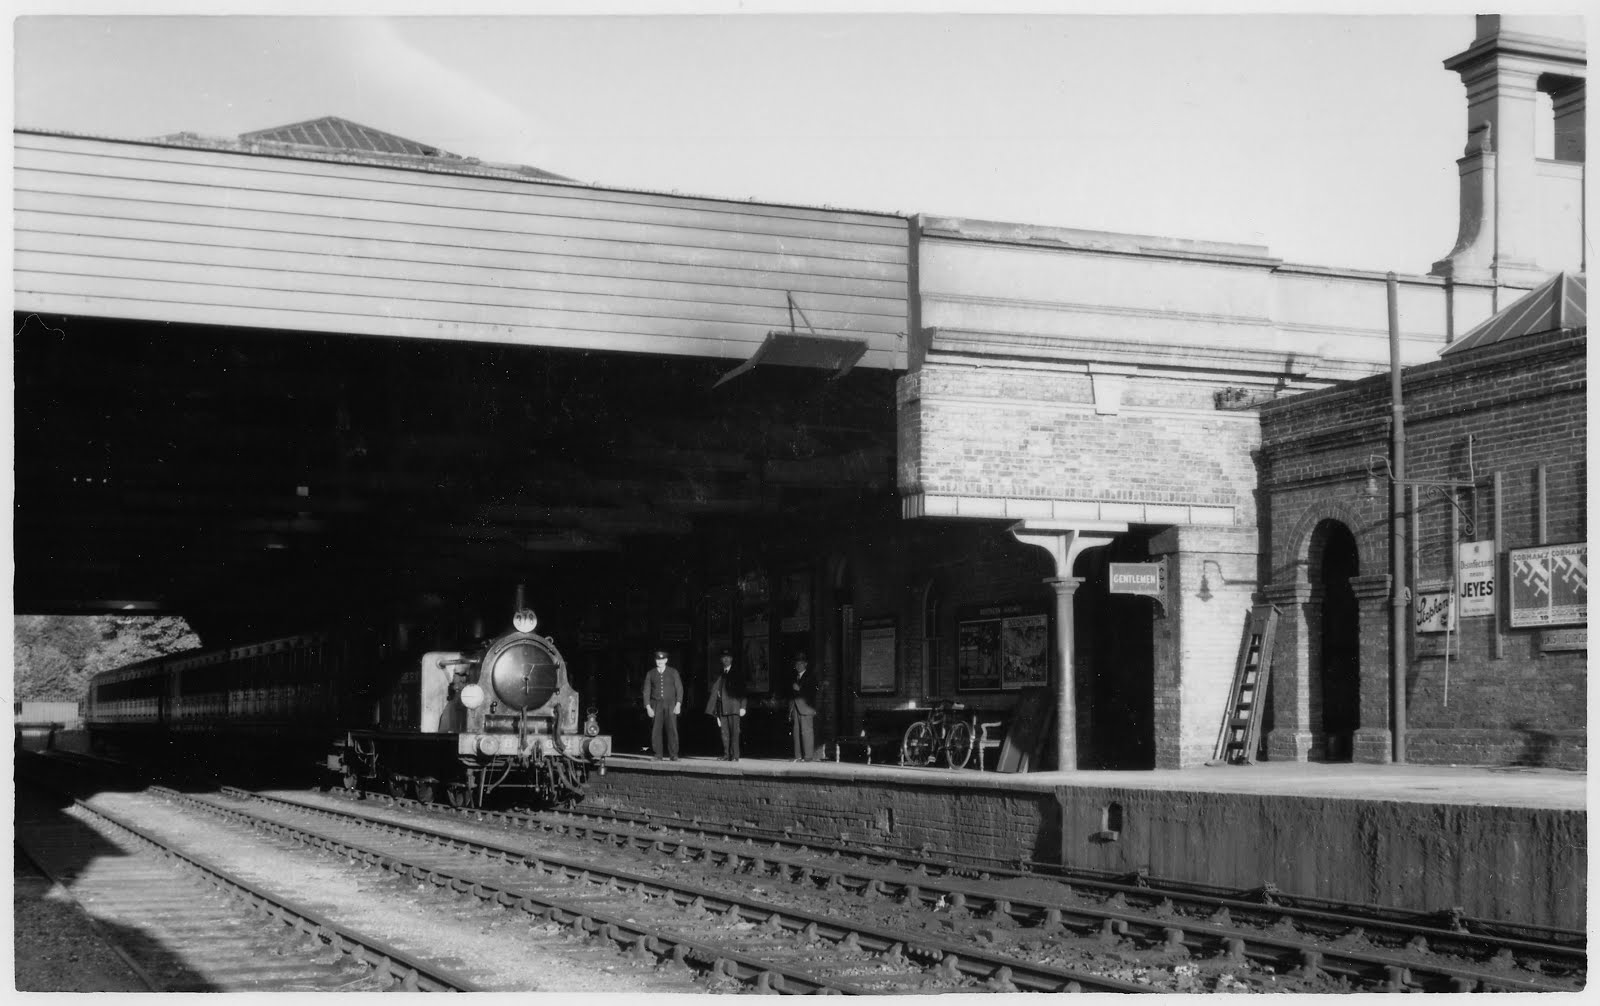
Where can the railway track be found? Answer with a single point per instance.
(1043, 930)
(1365, 946)
(657, 915)
(184, 924)
(893, 919)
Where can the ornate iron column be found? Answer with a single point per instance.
(1065, 544)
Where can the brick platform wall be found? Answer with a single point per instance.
(1511, 699)
(1513, 863)
(1420, 856)
(963, 814)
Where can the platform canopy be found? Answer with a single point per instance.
(1560, 303)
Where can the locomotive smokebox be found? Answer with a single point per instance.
(523, 671)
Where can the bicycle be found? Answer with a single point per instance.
(939, 734)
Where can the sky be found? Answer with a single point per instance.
(1331, 139)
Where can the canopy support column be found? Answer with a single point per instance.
(1065, 543)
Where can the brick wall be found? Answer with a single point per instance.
(1212, 586)
(1510, 698)
(1029, 434)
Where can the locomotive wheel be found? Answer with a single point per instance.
(958, 747)
(459, 794)
(917, 748)
(352, 782)
(397, 788)
(424, 788)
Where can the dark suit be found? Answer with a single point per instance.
(803, 714)
(726, 704)
(663, 694)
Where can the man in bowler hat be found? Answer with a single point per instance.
(727, 705)
(663, 701)
(803, 708)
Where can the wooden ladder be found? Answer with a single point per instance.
(1241, 720)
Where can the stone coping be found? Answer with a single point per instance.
(1503, 786)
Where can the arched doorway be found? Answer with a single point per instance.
(1338, 679)
(1115, 663)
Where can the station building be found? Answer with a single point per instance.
(927, 451)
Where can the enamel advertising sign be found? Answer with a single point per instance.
(1550, 585)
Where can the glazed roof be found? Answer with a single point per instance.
(333, 138)
(1560, 303)
(342, 134)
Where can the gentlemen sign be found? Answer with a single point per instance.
(1147, 578)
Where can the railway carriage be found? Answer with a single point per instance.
(455, 725)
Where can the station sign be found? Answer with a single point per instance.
(1475, 582)
(1148, 579)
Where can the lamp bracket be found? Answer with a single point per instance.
(1437, 488)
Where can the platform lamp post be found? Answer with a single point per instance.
(1394, 470)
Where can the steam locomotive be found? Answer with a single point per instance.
(456, 726)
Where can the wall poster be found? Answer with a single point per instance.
(755, 630)
(719, 611)
(757, 665)
(978, 655)
(794, 603)
(1025, 651)
(1002, 648)
(1550, 585)
(876, 656)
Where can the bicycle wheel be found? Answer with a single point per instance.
(917, 748)
(958, 746)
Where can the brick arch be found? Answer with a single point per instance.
(1352, 517)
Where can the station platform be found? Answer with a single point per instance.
(1505, 843)
(1508, 786)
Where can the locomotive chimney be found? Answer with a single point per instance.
(522, 597)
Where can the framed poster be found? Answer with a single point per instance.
(978, 655)
(757, 665)
(876, 656)
(719, 612)
(753, 618)
(1024, 651)
(1550, 585)
(1003, 647)
(795, 603)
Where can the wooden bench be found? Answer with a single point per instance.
(877, 742)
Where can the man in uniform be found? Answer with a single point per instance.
(727, 705)
(663, 701)
(803, 709)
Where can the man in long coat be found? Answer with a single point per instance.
(727, 705)
(663, 701)
(803, 709)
